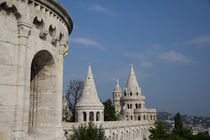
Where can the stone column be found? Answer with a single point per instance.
(87, 116)
(23, 32)
(60, 132)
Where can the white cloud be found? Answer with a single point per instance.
(201, 41)
(99, 8)
(173, 56)
(88, 43)
(158, 54)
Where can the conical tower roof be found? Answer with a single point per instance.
(117, 87)
(132, 83)
(89, 94)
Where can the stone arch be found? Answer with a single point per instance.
(84, 116)
(98, 116)
(10, 8)
(42, 93)
(91, 116)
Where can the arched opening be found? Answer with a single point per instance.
(91, 116)
(136, 106)
(139, 105)
(139, 118)
(84, 116)
(130, 93)
(42, 108)
(98, 116)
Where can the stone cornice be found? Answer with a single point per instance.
(60, 10)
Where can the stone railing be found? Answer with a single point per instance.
(133, 97)
(119, 130)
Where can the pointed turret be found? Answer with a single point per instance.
(117, 93)
(89, 94)
(132, 83)
(117, 87)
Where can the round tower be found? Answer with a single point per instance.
(117, 93)
(89, 107)
(33, 43)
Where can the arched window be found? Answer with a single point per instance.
(91, 116)
(98, 116)
(131, 93)
(144, 117)
(137, 93)
(131, 117)
(139, 118)
(128, 106)
(125, 93)
(84, 116)
(139, 105)
(136, 106)
(150, 117)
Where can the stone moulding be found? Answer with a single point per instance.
(58, 9)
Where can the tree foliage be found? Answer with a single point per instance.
(158, 132)
(90, 132)
(73, 95)
(179, 132)
(109, 111)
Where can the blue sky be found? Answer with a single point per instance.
(167, 41)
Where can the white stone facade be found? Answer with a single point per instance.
(89, 107)
(33, 43)
(131, 105)
(134, 128)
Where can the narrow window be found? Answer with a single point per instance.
(131, 93)
(97, 116)
(139, 105)
(131, 117)
(137, 93)
(84, 116)
(91, 116)
(139, 118)
(136, 106)
(128, 106)
(131, 106)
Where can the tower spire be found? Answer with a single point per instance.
(132, 83)
(89, 94)
(117, 87)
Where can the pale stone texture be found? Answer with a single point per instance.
(89, 107)
(33, 43)
(131, 105)
(127, 127)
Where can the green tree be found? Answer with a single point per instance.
(109, 111)
(178, 122)
(90, 132)
(158, 132)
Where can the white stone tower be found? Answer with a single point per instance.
(133, 102)
(33, 43)
(89, 107)
(117, 93)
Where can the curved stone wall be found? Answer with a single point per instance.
(30, 86)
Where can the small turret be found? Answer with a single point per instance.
(117, 93)
(132, 86)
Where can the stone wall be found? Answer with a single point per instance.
(33, 43)
(119, 130)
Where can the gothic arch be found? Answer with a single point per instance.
(9, 7)
(42, 93)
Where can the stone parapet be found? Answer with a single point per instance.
(145, 110)
(125, 98)
(119, 130)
